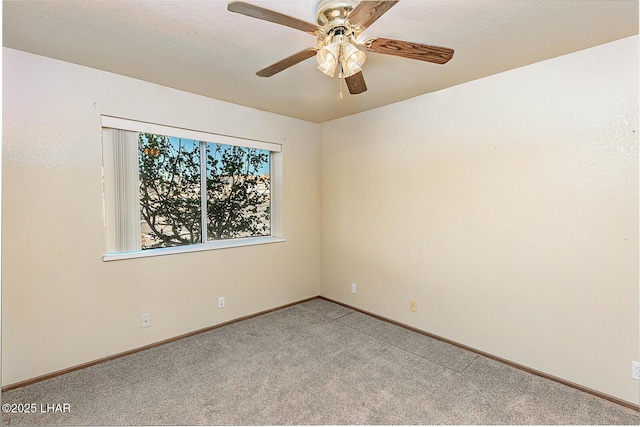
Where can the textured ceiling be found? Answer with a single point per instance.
(200, 47)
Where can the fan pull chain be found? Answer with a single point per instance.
(340, 74)
(341, 68)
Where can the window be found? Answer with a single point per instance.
(173, 190)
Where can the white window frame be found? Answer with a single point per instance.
(110, 180)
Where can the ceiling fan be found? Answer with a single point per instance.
(339, 23)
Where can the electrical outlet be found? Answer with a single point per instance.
(413, 306)
(145, 320)
(635, 370)
(220, 302)
(353, 288)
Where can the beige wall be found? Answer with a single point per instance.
(61, 304)
(507, 207)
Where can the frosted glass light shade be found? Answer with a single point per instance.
(352, 59)
(327, 58)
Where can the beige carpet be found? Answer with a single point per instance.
(312, 363)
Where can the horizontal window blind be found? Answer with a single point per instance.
(144, 127)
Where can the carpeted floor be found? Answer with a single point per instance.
(312, 363)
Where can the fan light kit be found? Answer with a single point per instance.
(339, 23)
(337, 39)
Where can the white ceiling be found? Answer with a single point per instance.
(200, 47)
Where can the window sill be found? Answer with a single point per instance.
(221, 244)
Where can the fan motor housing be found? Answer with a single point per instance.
(331, 13)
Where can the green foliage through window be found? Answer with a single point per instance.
(173, 207)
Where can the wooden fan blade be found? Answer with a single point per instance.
(421, 52)
(287, 62)
(367, 12)
(356, 83)
(271, 16)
